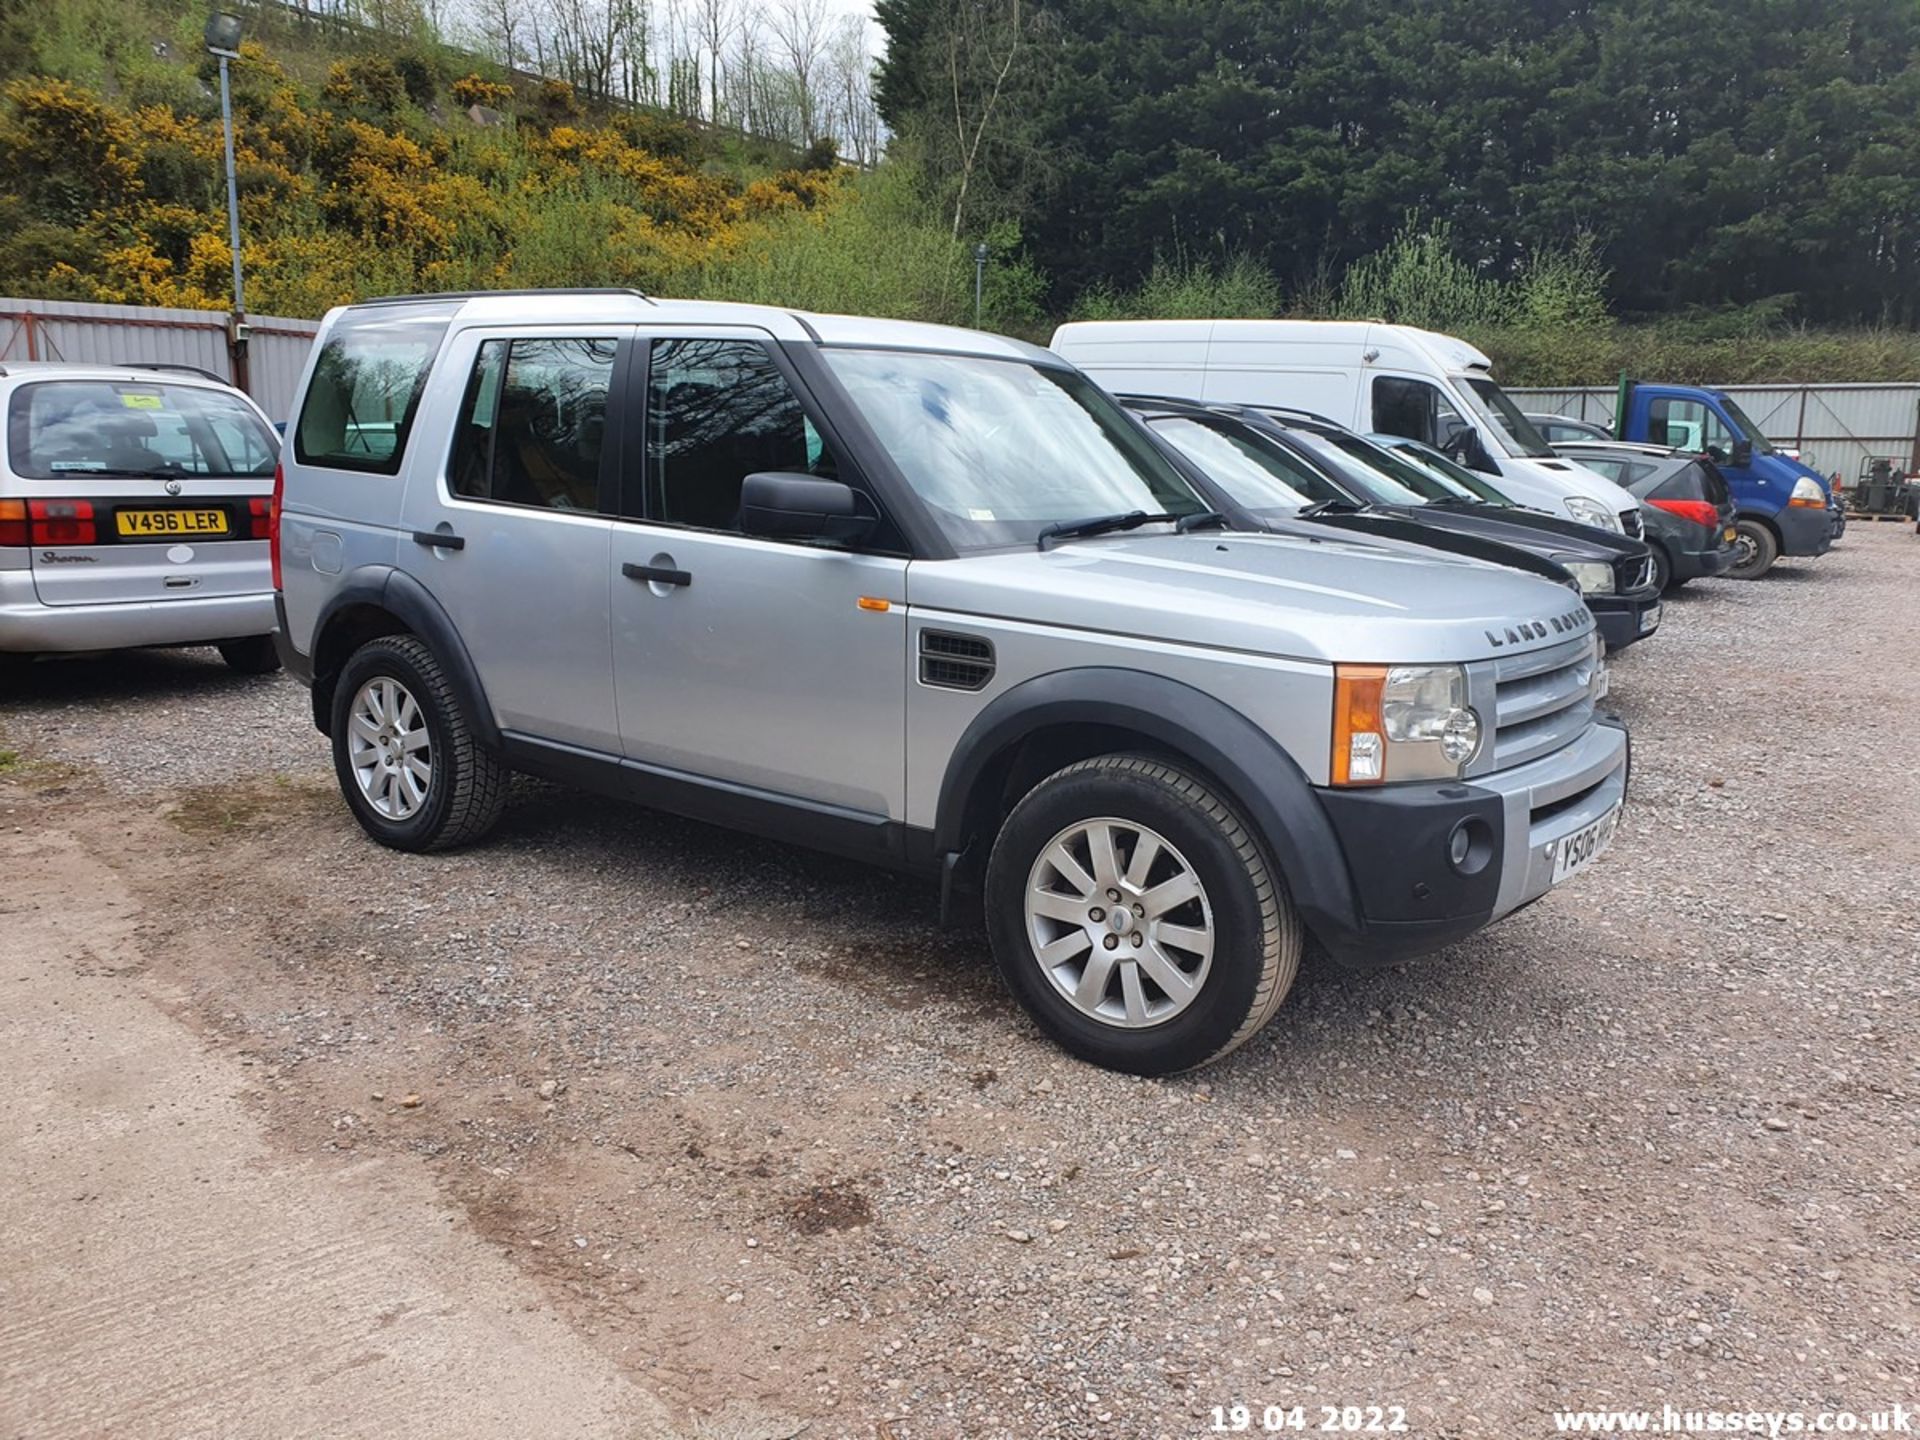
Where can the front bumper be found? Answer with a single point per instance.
(1804, 530)
(1623, 619)
(28, 627)
(1396, 840)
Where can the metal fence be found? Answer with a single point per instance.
(122, 334)
(1839, 429)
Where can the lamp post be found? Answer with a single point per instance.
(223, 41)
(979, 279)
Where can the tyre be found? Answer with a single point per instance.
(1136, 917)
(253, 656)
(1755, 550)
(404, 753)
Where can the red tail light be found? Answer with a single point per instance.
(13, 523)
(1700, 512)
(260, 518)
(62, 522)
(273, 520)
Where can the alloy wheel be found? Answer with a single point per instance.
(1119, 923)
(390, 748)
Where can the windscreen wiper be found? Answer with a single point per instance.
(1332, 504)
(1098, 525)
(1200, 520)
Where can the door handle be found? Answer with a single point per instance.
(439, 540)
(656, 574)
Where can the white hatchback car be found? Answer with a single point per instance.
(135, 507)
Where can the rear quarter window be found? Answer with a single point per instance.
(366, 388)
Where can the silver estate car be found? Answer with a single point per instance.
(930, 598)
(134, 511)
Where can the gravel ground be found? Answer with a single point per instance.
(764, 1133)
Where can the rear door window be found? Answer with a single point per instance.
(534, 423)
(366, 388)
(72, 429)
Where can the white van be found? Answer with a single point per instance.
(1371, 377)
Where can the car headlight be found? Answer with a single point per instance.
(1807, 494)
(1402, 722)
(1595, 578)
(1592, 512)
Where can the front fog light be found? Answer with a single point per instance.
(1594, 577)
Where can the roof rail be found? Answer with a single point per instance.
(175, 368)
(428, 299)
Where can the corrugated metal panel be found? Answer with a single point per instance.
(1837, 428)
(276, 356)
(86, 333)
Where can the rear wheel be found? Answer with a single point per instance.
(253, 656)
(404, 754)
(1754, 550)
(1136, 918)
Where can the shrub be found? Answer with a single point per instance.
(470, 90)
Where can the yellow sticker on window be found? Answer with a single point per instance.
(139, 402)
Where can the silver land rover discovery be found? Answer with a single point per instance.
(927, 597)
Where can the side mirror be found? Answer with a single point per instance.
(1465, 445)
(784, 506)
(1742, 453)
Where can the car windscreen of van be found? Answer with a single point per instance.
(1255, 471)
(1744, 424)
(366, 385)
(1493, 404)
(998, 450)
(73, 429)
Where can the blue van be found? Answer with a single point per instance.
(1781, 506)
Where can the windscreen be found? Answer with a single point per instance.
(1000, 449)
(1257, 472)
(1490, 402)
(63, 429)
(1369, 469)
(1746, 427)
(1423, 457)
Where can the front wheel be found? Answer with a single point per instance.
(1135, 916)
(1663, 580)
(404, 753)
(1755, 550)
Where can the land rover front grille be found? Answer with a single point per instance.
(1542, 700)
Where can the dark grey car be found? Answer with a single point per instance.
(1684, 499)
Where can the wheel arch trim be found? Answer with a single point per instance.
(1258, 776)
(382, 587)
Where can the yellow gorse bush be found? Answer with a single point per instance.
(355, 190)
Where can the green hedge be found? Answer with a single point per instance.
(1679, 354)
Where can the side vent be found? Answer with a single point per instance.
(955, 662)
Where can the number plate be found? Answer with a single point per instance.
(159, 524)
(1650, 618)
(1730, 534)
(1583, 847)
